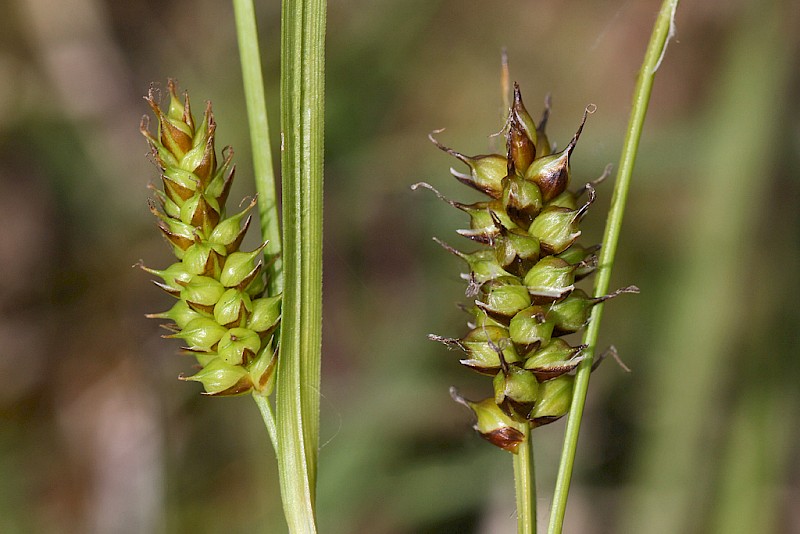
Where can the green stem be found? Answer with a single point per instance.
(662, 31)
(525, 485)
(732, 183)
(255, 99)
(298, 375)
(264, 178)
(265, 407)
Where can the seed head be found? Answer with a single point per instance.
(221, 315)
(522, 277)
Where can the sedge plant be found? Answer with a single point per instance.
(252, 319)
(521, 281)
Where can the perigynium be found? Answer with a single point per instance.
(221, 314)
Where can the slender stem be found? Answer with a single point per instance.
(525, 485)
(258, 121)
(298, 375)
(732, 186)
(265, 407)
(662, 31)
(255, 99)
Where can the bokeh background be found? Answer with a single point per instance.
(96, 433)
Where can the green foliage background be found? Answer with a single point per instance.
(96, 435)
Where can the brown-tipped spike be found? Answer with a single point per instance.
(521, 115)
(208, 116)
(171, 290)
(226, 187)
(545, 113)
(517, 94)
(153, 92)
(521, 137)
(429, 187)
(443, 148)
(187, 111)
(469, 181)
(585, 208)
(151, 99)
(590, 109)
(448, 248)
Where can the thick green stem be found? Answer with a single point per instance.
(298, 375)
(525, 485)
(255, 99)
(662, 31)
(294, 428)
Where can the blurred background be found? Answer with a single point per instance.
(96, 433)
